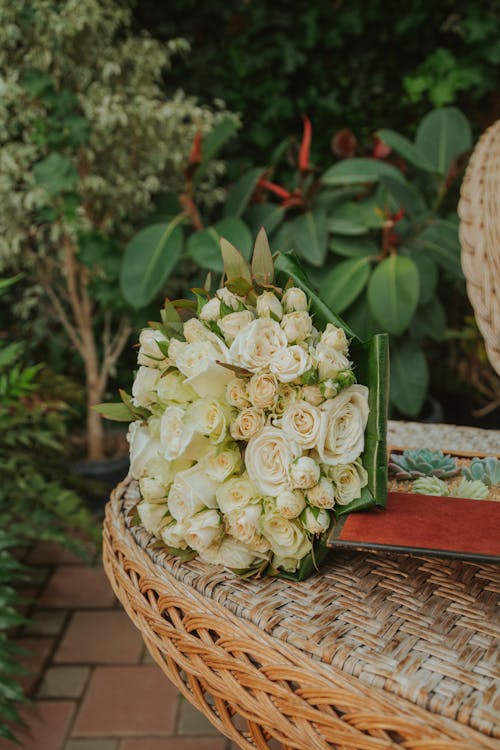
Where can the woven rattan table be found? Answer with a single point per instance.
(376, 651)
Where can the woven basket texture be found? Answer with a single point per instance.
(376, 651)
(479, 211)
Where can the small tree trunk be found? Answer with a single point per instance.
(95, 431)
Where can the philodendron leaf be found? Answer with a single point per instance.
(262, 260)
(204, 246)
(235, 265)
(443, 135)
(409, 377)
(359, 171)
(310, 235)
(149, 259)
(240, 194)
(345, 282)
(393, 292)
(406, 149)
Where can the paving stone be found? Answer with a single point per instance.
(176, 743)
(106, 637)
(46, 622)
(39, 650)
(74, 586)
(51, 553)
(63, 682)
(35, 576)
(192, 721)
(146, 657)
(47, 725)
(93, 744)
(127, 702)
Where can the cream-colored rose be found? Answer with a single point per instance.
(290, 503)
(256, 344)
(286, 537)
(235, 493)
(237, 393)
(343, 426)
(144, 386)
(198, 362)
(228, 298)
(312, 394)
(219, 465)
(330, 361)
(230, 553)
(294, 300)
(290, 363)
(155, 480)
(316, 520)
(304, 472)
(211, 310)
(248, 423)
(287, 395)
(153, 515)
(173, 535)
(210, 417)
(322, 495)
(191, 492)
(268, 457)
(348, 481)
(297, 326)
(329, 388)
(301, 422)
(263, 390)
(172, 387)
(230, 325)
(176, 432)
(335, 338)
(150, 353)
(269, 306)
(243, 523)
(203, 529)
(143, 447)
(175, 348)
(288, 564)
(195, 331)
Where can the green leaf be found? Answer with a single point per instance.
(443, 135)
(57, 174)
(406, 149)
(350, 247)
(442, 241)
(310, 234)
(235, 265)
(239, 196)
(430, 320)
(345, 282)
(361, 320)
(393, 292)
(149, 259)
(264, 215)
(262, 260)
(406, 196)
(409, 377)
(212, 144)
(204, 246)
(366, 214)
(359, 171)
(428, 274)
(118, 412)
(346, 226)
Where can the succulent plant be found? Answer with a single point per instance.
(430, 486)
(422, 462)
(485, 469)
(473, 489)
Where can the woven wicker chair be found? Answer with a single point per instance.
(479, 211)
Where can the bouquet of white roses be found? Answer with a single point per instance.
(249, 424)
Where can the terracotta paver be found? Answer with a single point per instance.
(38, 650)
(46, 622)
(51, 553)
(107, 637)
(91, 744)
(192, 721)
(48, 723)
(176, 743)
(127, 701)
(75, 586)
(63, 682)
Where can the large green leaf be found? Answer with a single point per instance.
(358, 171)
(352, 247)
(406, 196)
(212, 144)
(118, 412)
(406, 149)
(310, 234)
(428, 274)
(409, 377)
(393, 292)
(204, 246)
(442, 241)
(240, 194)
(443, 135)
(264, 215)
(365, 215)
(149, 259)
(345, 282)
(430, 320)
(57, 174)
(361, 320)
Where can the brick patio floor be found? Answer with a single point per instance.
(92, 683)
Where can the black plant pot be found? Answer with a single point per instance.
(100, 477)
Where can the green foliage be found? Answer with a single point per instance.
(422, 462)
(487, 470)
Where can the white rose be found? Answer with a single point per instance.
(230, 553)
(335, 338)
(195, 331)
(210, 310)
(304, 472)
(150, 353)
(243, 523)
(228, 298)
(203, 529)
(294, 300)
(144, 387)
(153, 515)
(175, 347)
(287, 538)
(237, 393)
(312, 394)
(343, 426)
(209, 417)
(268, 305)
(172, 387)
(219, 465)
(230, 325)
(330, 361)
(268, 457)
(290, 363)
(198, 362)
(176, 432)
(143, 447)
(263, 390)
(289, 564)
(248, 423)
(301, 422)
(290, 503)
(329, 388)
(322, 495)
(256, 344)
(191, 492)
(316, 520)
(348, 481)
(155, 479)
(235, 493)
(297, 326)
(173, 535)
(287, 395)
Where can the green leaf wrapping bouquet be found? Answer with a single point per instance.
(257, 421)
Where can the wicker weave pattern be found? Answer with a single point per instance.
(378, 652)
(479, 211)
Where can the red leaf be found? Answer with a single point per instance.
(305, 146)
(380, 150)
(344, 143)
(398, 215)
